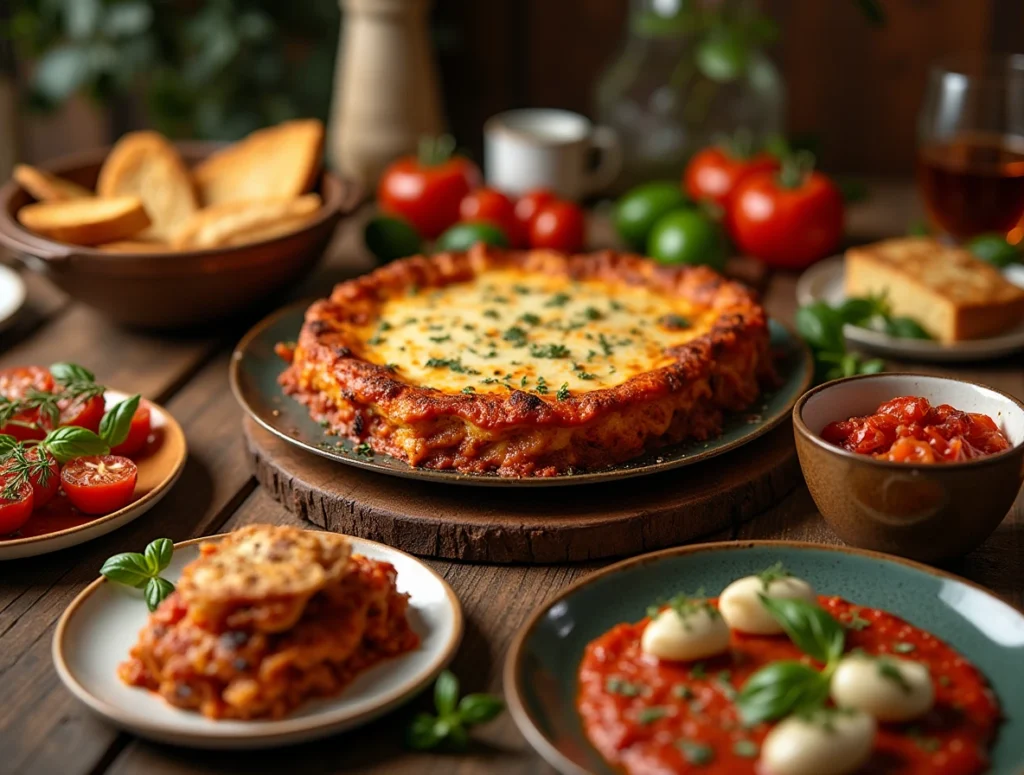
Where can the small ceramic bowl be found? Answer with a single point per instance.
(926, 512)
(179, 289)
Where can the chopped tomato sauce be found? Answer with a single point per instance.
(909, 429)
(653, 717)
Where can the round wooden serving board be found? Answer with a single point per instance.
(560, 524)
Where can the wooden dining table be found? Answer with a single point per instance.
(44, 729)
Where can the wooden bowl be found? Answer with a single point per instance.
(926, 512)
(179, 289)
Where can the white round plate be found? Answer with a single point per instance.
(824, 282)
(101, 625)
(159, 469)
(12, 295)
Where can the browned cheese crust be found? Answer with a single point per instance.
(521, 432)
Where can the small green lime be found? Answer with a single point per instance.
(995, 249)
(388, 238)
(463, 236)
(638, 209)
(687, 237)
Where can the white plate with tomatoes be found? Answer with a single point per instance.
(77, 460)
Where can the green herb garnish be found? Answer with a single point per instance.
(550, 351)
(775, 572)
(745, 748)
(696, 753)
(674, 322)
(515, 335)
(364, 449)
(530, 319)
(563, 392)
(142, 571)
(901, 647)
(890, 672)
(652, 714)
(454, 716)
(621, 686)
(558, 300)
(454, 364)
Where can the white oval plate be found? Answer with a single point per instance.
(98, 629)
(824, 282)
(158, 471)
(12, 295)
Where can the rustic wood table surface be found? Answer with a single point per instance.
(43, 729)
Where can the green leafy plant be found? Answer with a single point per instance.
(449, 727)
(142, 571)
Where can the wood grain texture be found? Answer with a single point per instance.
(564, 524)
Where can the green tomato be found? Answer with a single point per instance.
(463, 236)
(389, 238)
(637, 211)
(995, 249)
(687, 237)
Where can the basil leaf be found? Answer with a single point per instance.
(779, 689)
(479, 708)
(64, 373)
(128, 568)
(423, 734)
(905, 328)
(857, 311)
(446, 692)
(874, 366)
(117, 421)
(809, 626)
(158, 554)
(71, 441)
(156, 590)
(821, 327)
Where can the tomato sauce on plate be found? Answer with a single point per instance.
(653, 717)
(909, 429)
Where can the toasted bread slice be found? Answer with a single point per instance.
(47, 187)
(229, 222)
(952, 294)
(146, 165)
(136, 246)
(279, 162)
(274, 230)
(86, 221)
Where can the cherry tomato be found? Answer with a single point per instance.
(787, 224)
(14, 512)
(45, 481)
(492, 206)
(99, 485)
(558, 226)
(138, 433)
(15, 384)
(531, 203)
(715, 172)
(85, 414)
(427, 189)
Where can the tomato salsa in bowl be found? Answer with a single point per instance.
(922, 466)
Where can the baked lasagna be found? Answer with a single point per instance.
(528, 363)
(266, 618)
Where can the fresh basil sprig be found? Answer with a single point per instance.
(142, 571)
(117, 421)
(71, 441)
(454, 716)
(809, 626)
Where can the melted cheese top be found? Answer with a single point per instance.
(536, 333)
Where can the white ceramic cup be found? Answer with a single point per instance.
(548, 148)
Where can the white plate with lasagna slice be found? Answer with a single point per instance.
(283, 645)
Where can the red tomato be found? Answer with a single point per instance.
(99, 485)
(138, 433)
(15, 384)
(85, 414)
(427, 190)
(531, 203)
(714, 173)
(45, 481)
(787, 227)
(558, 226)
(14, 512)
(492, 206)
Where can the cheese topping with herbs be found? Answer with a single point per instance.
(543, 335)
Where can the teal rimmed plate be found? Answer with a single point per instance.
(255, 369)
(541, 667)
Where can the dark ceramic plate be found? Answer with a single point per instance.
(255, 369)
(540, 670)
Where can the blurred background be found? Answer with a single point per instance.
(843, 77)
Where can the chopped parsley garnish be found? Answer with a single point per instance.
(530, 319)
(856, 621)
(469, 389)
(489, 381)
(558, 300)
(890, 672)
(439, 339)
(563, 392)
(652, 714)
(492, 313)
(606, 346)
(775, 572)
(392, 367)
(698, 671)
(696, 753)
(616, 305)
(454, 364)
(745, 748)
(927, 744)
(593, 313)
(542, 386)
(523, 381)
(620, 686)
(522, 290)
(364, 450)
(515, 335)
(585, 375)
(550, 351)
(903, 648)
(727, 689)
(682, 692)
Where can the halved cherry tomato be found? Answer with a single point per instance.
(558, 226)
(99, 485)
(427, 189)
(492, 206)
(15, 511)
(45, 481)
(714, 173)
(85, 414)
(15, 383)
(138, 433)
(531, 203)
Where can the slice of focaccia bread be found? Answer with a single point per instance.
(47, 187)
(952, 294)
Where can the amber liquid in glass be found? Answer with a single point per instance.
(974, 183)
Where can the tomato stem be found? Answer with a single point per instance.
(435, 150)
(740, 145)
(795, 169)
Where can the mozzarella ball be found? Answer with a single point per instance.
(889, 688)
(743, 610)
(699, 634)
(832, 744)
